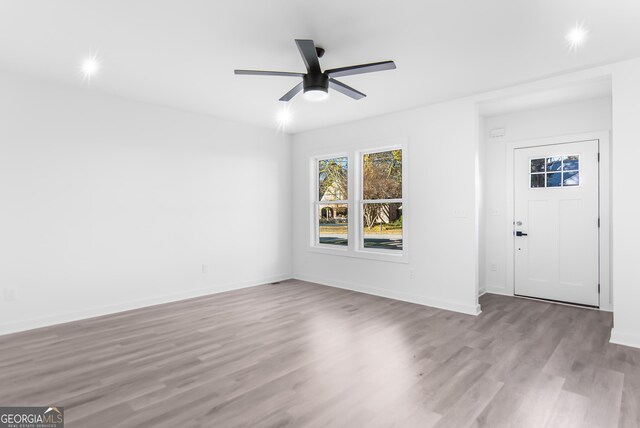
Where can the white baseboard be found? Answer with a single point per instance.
(499, 291)
(626, 339)
(396, 295)
(482, 291)
(127, 306)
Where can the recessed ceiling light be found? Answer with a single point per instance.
(284, 117)
(576, 36)
(89, 67)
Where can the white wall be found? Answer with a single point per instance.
(566, 119)
(442, 150)
(626, 203)
(109, 204)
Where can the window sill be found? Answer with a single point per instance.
(383, 256)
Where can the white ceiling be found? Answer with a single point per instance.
(182, 53)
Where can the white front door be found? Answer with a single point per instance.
(556, 222)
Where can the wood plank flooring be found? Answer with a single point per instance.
(300, 354)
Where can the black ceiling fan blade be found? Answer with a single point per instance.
(292, 93)
(360, 69)
(268, 73)
(309, 55)
(345, 89)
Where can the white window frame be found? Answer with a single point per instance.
(317, 203)
(361, 202)
(355, 245)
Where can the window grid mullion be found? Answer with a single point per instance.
(381, 201)
(342, 201)
(545, 173)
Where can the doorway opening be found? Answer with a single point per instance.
(538, 165)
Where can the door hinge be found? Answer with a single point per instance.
(598, 156)
(598, 221)
(598, 288)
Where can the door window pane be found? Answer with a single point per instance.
(382, 226)
(382, 175)
(554, 163)
(554, 179)
(333, 224)
(571, 178)
(333, 179)
(537, 165)
(570, 163)
(537, 180)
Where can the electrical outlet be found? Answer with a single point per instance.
(205, 268)
(412, 273)
(9, 295)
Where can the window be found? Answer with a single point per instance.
(373, 194)
(381, 200)
(332, 206)
(555, 171)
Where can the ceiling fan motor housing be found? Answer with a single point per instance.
(315, 82)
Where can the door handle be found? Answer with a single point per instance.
(518, 233)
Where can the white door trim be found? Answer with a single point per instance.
(606, 294)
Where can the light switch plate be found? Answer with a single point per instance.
(459, 213)
(9, 294)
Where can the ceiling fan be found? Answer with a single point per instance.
(316, 83)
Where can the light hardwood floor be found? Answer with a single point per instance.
(300, 354)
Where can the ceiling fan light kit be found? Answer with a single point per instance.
(316, 83)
